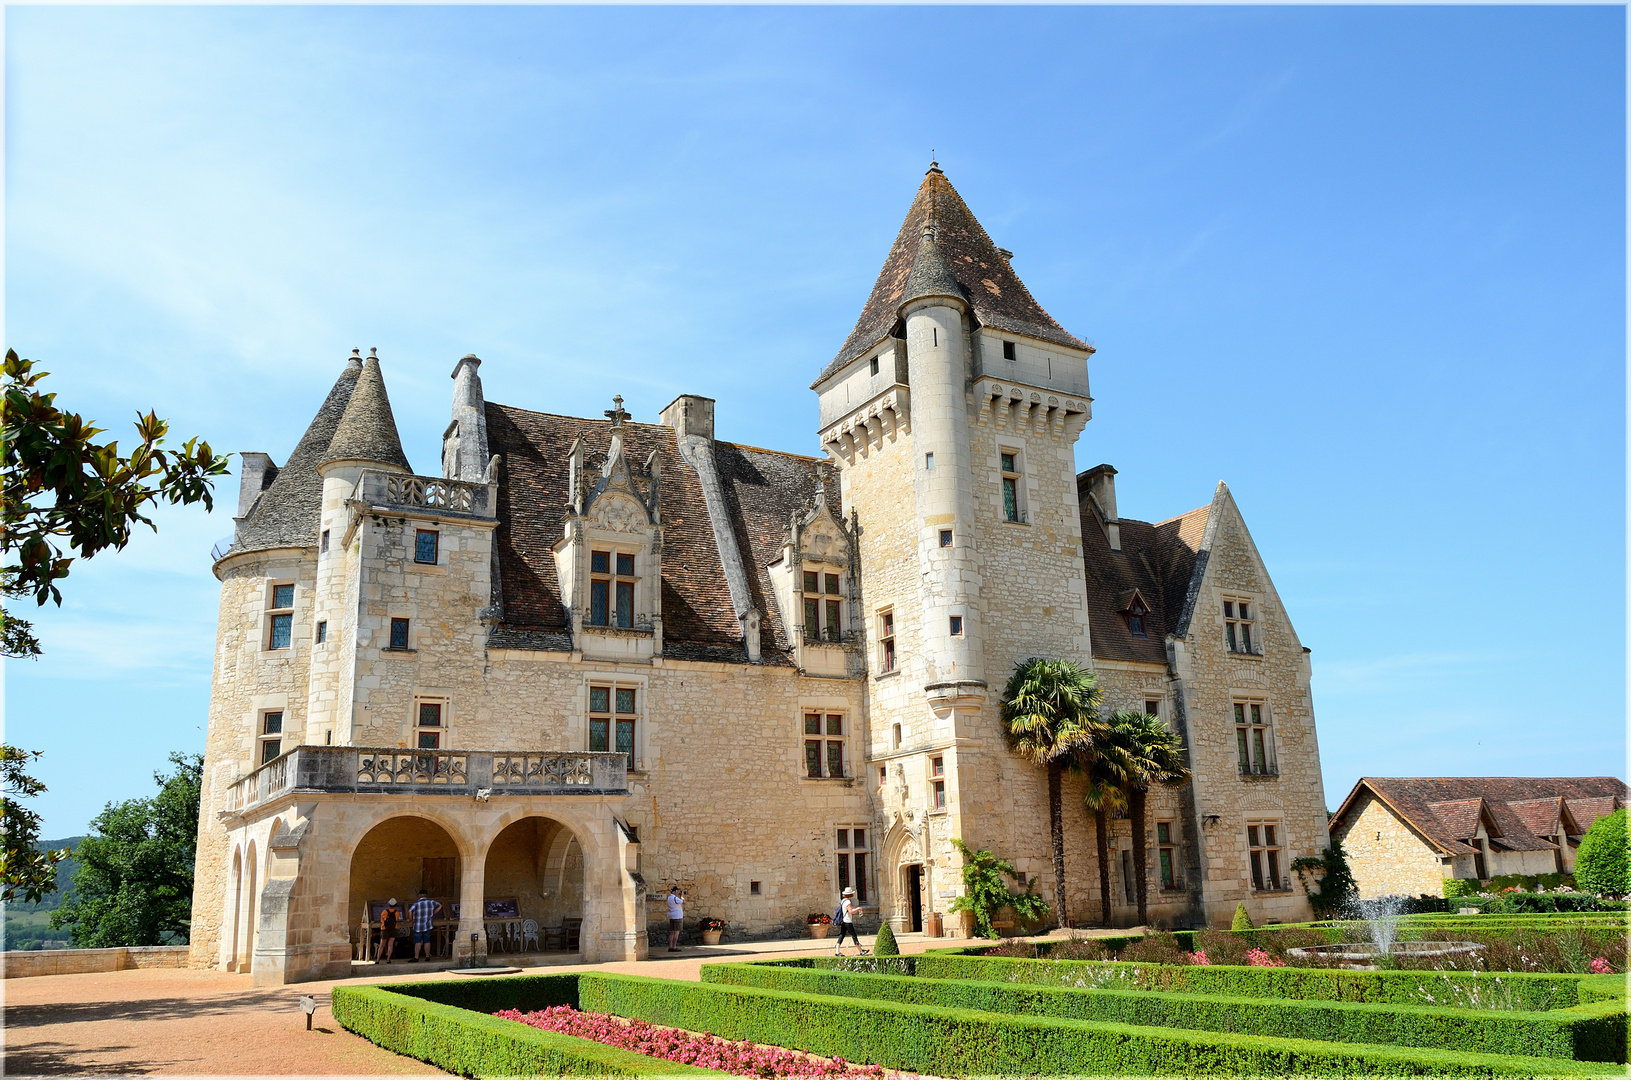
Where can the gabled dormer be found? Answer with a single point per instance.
(813, 580)
(1135, 612)
(609, 557)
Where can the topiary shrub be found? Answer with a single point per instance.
(885, 945)
(1602, 866)
(1458, 887)
(1242, 921)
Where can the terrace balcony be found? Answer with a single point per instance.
(394, 770)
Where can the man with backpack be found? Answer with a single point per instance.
(845, 918)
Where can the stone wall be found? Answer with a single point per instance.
(1388, 857)
(22, 965)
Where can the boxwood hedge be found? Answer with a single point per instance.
(1594, 1032)
(1465, 989)
(412, 1019)
(963, 1042)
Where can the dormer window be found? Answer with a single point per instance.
(1136, 612)
(611, 588)
(1237, 625)
(823, 607)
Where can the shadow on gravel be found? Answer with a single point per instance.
(52, 1059)
(174, 1008)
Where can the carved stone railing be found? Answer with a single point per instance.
(399, 770)
(393, 491)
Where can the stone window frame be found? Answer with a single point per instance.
(936, 779)
(1260, 878)
(442, 730)
(1158, 698)
(269, 742)
(888, 638)
(1168, 875)
(1257, 724)
(824, 740)
(271, 612)
(827, 706)
(1229, 602)
(390, 634)
(613, 715)
(847, 871)
(614, 579)
(419, 533)
(829, 601)
(1012, 473)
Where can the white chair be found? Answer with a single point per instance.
(529, 932)
(495, 936)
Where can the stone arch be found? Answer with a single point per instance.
(235, 902)
(539, 863)
(246, 959)
(902, 849)
(394, 857)
(448, 823)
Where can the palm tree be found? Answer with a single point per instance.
(1050, 713)
(1104, 794)
(1145, 752)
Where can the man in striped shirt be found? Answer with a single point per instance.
(423, 912)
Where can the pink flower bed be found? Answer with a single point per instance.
(1601, 966)
(688, 1048)
(1259, 958)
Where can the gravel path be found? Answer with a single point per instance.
(186, 1021)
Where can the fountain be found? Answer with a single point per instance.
(1381, 917)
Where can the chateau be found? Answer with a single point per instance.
(594, 658)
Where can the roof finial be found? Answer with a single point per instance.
(355, 359)
(373, 354)
(934, 165)
(616, 412)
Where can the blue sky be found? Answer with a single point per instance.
(1367, 265)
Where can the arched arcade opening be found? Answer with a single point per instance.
(394, 860)
(533, 886)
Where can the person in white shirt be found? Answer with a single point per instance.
(676, 917)
(847, 910)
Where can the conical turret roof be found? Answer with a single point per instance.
(367, 431)
(930, 275)
(290, 509)
(998, 298)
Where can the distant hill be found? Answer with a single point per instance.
(27, 924)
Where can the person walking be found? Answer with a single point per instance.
(387, 932)
(676, 917)
(423, 912)
(847, 910)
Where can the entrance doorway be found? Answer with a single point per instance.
(914, 895)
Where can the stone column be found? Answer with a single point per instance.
(468, 950)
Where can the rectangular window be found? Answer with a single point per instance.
(613, 717)
(823, 607)
(824, 745)
(271, 735)
(428, 729)
(281, 629)
(886, 640)
(945, 538)
(1008, 351)
(426, 546)
(874, 365)
(1152, 707)
(322, 631)
(1237, 625)
(1165, 854)
(399, 633)
(956, 626)
(1262, 841)
(322, 544)
(928, 460)
(1254, 742)
(1011, 510)
(611, 588)
(852, 853)
(939, 794)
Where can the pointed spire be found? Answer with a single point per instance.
(367, 431)
(987, 281)
(930, 275)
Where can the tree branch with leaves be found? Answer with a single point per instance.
(66, 495)
(985, 893)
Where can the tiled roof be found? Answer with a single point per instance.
(367, 431)
(1155, 560)
(998, 297)
(1436, 806)
(1587, 809)
(289, 511)
(1539, 816)
(761, 490)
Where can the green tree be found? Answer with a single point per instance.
(1602, 865)
(135, 879)
(64, 490)
(27, 872)
(1050, 711)
(885, 945)
(1103, 795)
(1147, 752)
(1337, 886)
(1242, 920)
(985, 893)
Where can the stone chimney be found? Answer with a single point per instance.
(1099, 484)
(464, 443)
(690, 414)
(257, 475)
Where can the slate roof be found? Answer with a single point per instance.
(984, 278)
(1158, 561)
(1445, 808)
(367, 431)
(761, 490)
(289, 511)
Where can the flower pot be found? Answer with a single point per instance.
(711, 937)
(819, 929)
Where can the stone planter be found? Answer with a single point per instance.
(819, 929)
(711, 937)
(1364, 955)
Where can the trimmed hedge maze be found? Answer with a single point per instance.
(956, 1015)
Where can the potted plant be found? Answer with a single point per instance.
(711, 929)
(819, 923)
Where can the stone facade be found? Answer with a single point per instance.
(595, 659)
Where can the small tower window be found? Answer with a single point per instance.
(928, 460)
(1011, 509)
(1008, 351)
(322, 631)
(426, 546)
(322, 545)
(282, 617)
(956, 626)
(874, 365)
(886, 639)
(945, 538)
(399, 633)
(271, 735)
